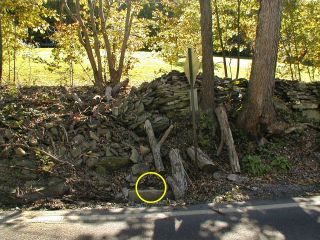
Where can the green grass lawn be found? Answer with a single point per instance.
(147, 67)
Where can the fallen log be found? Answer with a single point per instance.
(155, 145)
(226, 136)
(204, 162)
(178, 181)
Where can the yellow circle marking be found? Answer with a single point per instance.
(164, 183)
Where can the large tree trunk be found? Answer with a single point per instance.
(238, 39)
(221, 39)
(1, 48)
(207, 55)
(258, 110)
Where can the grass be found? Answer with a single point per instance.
(147, 67)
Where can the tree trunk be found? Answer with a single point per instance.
(15, 54)
(96, 42)
(238, 39)
(116, 71)
(85, 41)
(220, 39)
(207, 55)
(1, 48)
(258, 111)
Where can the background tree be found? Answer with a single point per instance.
(258, 111)
(109, 25)
(19, 17)
(1, 46)
(207, 55)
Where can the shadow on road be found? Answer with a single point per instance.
(284, 223)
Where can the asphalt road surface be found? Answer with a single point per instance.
(297, 218)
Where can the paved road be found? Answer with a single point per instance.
(297, 218)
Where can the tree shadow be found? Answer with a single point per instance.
(265, 223)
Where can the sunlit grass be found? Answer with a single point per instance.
(147, 67)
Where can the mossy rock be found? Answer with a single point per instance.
(112, 163)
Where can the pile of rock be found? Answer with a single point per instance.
(162, 100)
(301, 97)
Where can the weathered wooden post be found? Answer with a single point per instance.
(191, 68)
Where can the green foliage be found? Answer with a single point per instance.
(19, 18)
(300, 39)
(281, 164)
(254, 165)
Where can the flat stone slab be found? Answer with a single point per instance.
(148, 194)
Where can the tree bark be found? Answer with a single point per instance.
(207, 55)
(155, 145)
(96, 42)
(238, 38)
(226, 136)
(116, 71)
(1, 48)
(178, 180)
(221, 39)
(85, 41)
(258, 111)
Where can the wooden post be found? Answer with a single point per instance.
(204, 162)
(226, 136)
(192, 82)
(178, 181)
(155, 145)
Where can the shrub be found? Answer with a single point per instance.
(254, 165)
(281, 164)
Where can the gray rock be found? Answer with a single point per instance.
(91, 162)
(148, 158)
(108, 152)
(148, 194)
(219, 175)
(75, 152)
(236, 178)
(8, 134)
(20, 152)
(144, 150)
(125, 192)
(54, 131)
(92, 145)
(313, 115)
(115, 145)
(305, 105)
(280, 105)
(135, 157)
(103, 132)
(78, 139)
(113, 163)
(139, 168)
(114, 152)
(93, 136)
(93, 124)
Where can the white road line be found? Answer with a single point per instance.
(147, 213)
